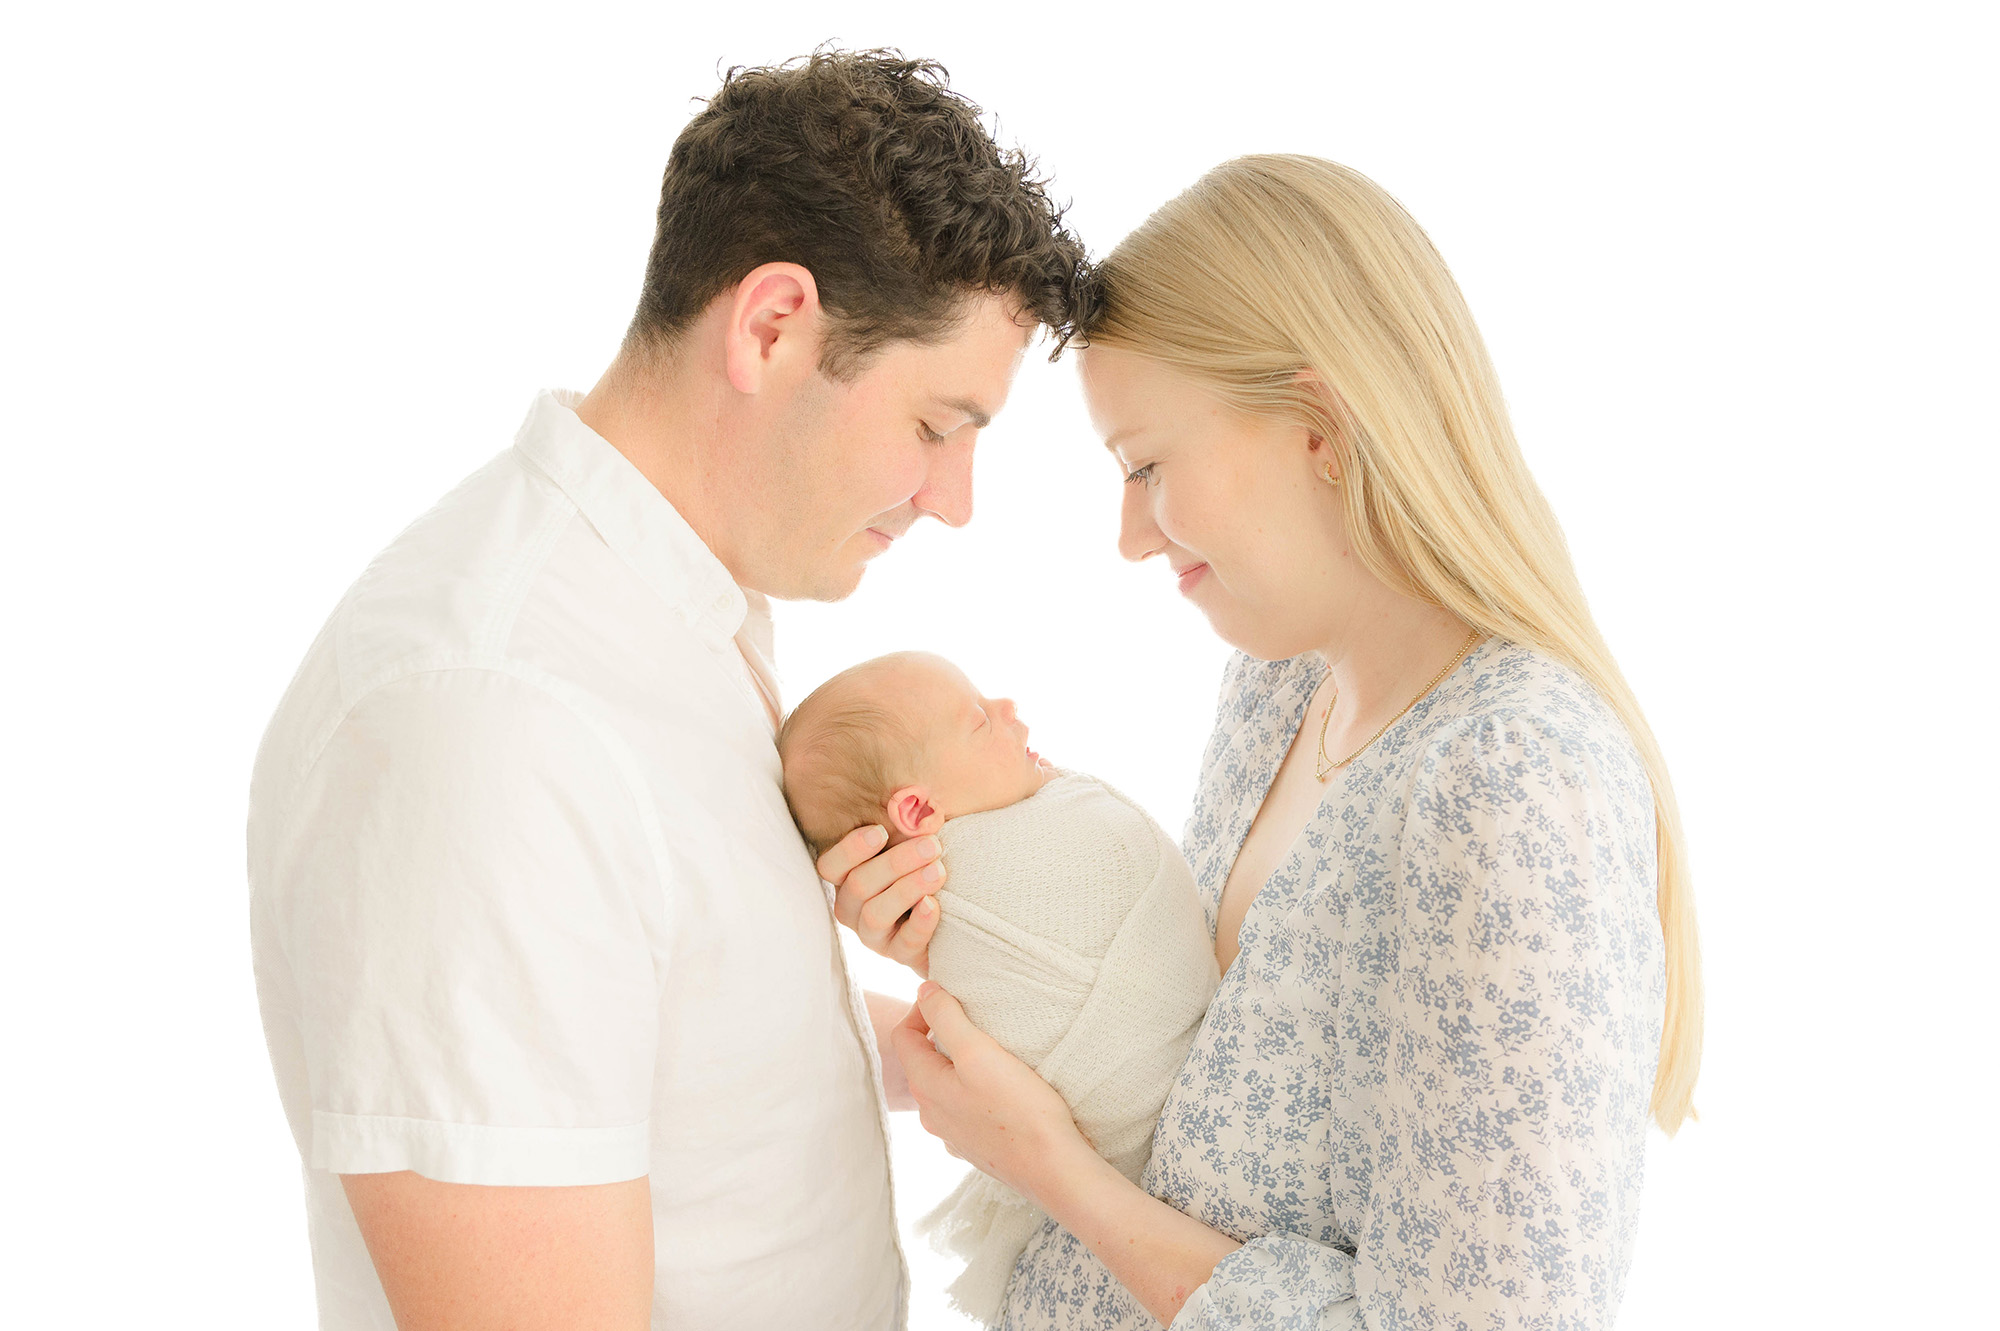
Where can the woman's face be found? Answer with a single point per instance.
(1237, 506)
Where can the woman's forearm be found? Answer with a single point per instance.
(1160, 1254)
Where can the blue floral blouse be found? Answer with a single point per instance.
(1420, 1096)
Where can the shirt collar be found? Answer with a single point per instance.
(636, 521)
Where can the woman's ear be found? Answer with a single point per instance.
(911, 814)
(1323, 458)
(1325, 443)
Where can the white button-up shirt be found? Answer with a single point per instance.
(527, 906)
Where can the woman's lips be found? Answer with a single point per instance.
(1191, 577)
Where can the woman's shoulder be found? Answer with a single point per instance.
(1516, 730)
(1507, 689)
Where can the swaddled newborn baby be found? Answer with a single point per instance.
(1070, 931)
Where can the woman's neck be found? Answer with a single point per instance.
(1384, 654)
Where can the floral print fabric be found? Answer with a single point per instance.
(1420, 1096)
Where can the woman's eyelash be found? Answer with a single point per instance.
(929, 435)
(1142, 475)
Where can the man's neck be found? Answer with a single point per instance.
(666, 425)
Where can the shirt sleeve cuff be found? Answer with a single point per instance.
(1276, 1281)
(476, 1153)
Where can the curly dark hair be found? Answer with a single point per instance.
(866, 169)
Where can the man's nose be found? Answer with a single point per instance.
(947, 490)
(1138, 535)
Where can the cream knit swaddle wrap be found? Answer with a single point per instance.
(1072, 935)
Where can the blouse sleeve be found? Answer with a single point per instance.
(1277, 1282)
(1507, 1130)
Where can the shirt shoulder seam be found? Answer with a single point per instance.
(491, 640)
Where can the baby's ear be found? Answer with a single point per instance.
(910, 812)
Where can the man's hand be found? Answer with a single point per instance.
(469, 1257)
(885, 1014)
(886, 898)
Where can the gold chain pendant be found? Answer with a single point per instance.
(1327, 768)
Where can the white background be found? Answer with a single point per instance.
(275, 277)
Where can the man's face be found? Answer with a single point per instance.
(854, 464)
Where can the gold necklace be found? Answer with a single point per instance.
(1326, 769)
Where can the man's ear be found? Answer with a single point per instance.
(910, 813)
(773, 314)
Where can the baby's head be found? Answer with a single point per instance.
(905, 741)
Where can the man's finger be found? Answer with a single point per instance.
(858, 845)
(867, 880)
(881, 912)
(911, 944)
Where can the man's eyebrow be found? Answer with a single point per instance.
(980, 419)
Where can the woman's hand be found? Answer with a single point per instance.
(987, 1106)
(885, 895)
(991, 1110)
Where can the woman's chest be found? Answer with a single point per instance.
(1259, 1129)
(1290, 804)
(1275, 826)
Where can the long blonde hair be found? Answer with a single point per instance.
(1276, 264)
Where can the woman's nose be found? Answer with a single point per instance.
(1138, 536)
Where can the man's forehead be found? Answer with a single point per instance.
(971, 370)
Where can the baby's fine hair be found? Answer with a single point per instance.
(843, 755)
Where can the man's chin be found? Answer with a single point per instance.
(830, 583)
(834, 576)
